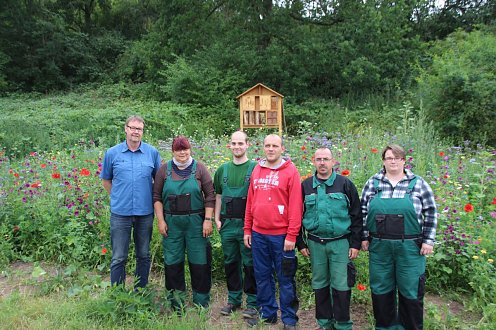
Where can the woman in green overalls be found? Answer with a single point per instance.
(401, 219)
(184, 200)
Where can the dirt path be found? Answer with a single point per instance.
(306, 316)
(18, 278)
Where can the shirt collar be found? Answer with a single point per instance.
(329, 182)
(125, 148)
(382, 174)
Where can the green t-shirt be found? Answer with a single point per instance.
(236, 175)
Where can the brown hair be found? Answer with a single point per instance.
(135, 118)
(180, 142)
(396, 149)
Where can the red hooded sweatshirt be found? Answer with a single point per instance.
(274, 205)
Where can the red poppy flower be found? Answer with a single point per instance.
(36, 184)
(43, 165)
(494, 201)
(441, 153)
(84, 172)
(303, 148)
(16, 175)
(374, 150)
(361, 287)
(104, 251)
(56, 175)
(345, 173)
(468, 208)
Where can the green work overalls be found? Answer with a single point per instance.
(184, 213)
(395, 261)
(327, 222)
(236, 254)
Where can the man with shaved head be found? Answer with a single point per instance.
(332, 227)
(272, 223)
(231, 183)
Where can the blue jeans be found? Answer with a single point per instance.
(120, 236)
(269, 257)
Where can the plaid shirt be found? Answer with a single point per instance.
(422, 198)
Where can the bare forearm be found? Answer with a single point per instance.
(218, 206)
(107, 184)
(159, 211)
(209, 212)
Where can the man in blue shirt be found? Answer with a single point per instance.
(127, 173)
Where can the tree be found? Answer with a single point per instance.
(459, 88)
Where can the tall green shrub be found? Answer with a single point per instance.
(459, 88)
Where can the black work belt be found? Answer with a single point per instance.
(191, 212)
(323, 240)
(397, 237)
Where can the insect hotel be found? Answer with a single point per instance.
(260, 106)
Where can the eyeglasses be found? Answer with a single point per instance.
(136, 129)
(324, 160)
(390, 159)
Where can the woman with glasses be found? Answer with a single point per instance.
(184, 200)
(400, 219)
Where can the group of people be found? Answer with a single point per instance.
(263, 213)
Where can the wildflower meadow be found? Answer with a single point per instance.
(53, 208)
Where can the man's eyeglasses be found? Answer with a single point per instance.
(322, 160)
(136, 129)
(390, 159)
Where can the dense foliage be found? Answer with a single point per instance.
(204, 53)
(459, 88)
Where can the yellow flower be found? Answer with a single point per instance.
(490, 261)
(475, 257)
(483, 251)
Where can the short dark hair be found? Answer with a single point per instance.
(243, 132)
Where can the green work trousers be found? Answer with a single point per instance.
(330, 277)
(237, 261)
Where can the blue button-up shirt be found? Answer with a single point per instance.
(132, 176)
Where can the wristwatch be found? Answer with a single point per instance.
(209, 219)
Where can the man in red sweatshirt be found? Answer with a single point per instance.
(272, 222)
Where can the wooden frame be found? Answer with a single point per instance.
(260, 106)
